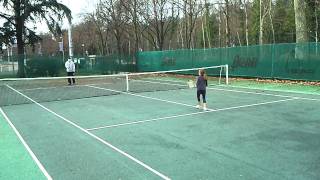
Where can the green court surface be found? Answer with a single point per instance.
(245, 134)
(16, 162)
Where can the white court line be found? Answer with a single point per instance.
(190, 114)
(170, 80)
(238, 91)
(95, 137)
(55, 87)
(266, 94)
(154, 82)
(147, 97)
(242, 87)
(265, 89)
(33, 156)
(246, 92)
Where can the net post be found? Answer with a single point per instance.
(227, 74)
(220, 75)
(127, 82)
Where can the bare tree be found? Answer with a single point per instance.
(205, 25)
(203, 30)
(271, 21)
(245, 7)
(159, 19)
(220, 24)
(180, 34)
(162, 24)
(263, 13)
(133, 8)
(227, 21)
(191, 10)
(99, 31)
(112, 12)
(316, 19)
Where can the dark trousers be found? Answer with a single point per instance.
(203, 93)
(71, 79)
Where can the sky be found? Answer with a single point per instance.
(77, 8)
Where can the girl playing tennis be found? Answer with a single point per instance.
(202, 83)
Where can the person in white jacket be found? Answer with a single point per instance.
(71, 69)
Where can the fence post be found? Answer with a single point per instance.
(227, 74)
(127, 82)
(272, 61)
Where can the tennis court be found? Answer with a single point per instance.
(245, 133)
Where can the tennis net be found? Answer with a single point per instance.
(30, 90)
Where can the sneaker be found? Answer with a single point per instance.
(198, 106)
(205, 106)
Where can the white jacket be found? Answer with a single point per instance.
(70, 66)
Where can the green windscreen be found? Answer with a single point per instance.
(53, 66)
(283, 61)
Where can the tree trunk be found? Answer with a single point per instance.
(247, 28)
(239, 40)
(20, 41)
(317, 25)
(227, 33)
(203, 35)
(190, 28)
(20, 45)
(228, 39)
(220, 22)
(207, 24)
(301, 27)
(271, 22)
(300, 20)
(261, 24)
(181, 36)
(118, 38)
(136, 24)
(186, 19)
(316, 19)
